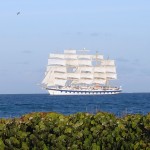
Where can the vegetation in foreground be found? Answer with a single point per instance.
(81, 131)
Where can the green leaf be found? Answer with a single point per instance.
(14, 141)
(79, 134)
(45, 147)
(95, 146)
(2, 145)
(24, 146)
(68, 130)
(2, 126)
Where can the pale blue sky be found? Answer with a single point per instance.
(118, 29)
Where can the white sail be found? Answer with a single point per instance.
(48, 68)
(56, 62)
(111, 69)
(99, 69)
(85, 69)
(51, 83)
(85, 81)
(86, 75)
(45, 80)
(111, 75)
(60, 75)
(60, 69)
(57, 82)
(97, 57)
(50, 78)
(84, 56)
(73, 75)
(56, 56)
(99, 81)
(99, 75)
(60, 82)
(72, 62)
(85, 62)
(69, 51)
(56, 68)
(107, 62)
(70, 56)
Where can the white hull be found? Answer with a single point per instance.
(83, 92)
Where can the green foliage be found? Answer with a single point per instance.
(81, 131)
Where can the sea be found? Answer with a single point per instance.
(16, 105)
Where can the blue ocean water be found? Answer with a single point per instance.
(16, 105)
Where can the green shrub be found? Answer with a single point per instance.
(81, 131)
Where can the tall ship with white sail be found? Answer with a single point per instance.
(75, 72)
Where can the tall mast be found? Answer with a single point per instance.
(107, 83)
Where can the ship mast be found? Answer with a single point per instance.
(96, 58)
(107, 82)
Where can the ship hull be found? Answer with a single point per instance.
(83, 92)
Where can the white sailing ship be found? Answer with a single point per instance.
(79, 73)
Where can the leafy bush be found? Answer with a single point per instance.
(81, 131)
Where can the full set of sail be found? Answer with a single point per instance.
(78, 73)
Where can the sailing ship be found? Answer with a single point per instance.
(75, 72)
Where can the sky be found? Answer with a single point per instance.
(117, 29)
